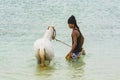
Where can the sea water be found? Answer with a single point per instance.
(24, 21)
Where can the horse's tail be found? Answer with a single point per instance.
(42, 56)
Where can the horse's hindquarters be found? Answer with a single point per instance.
(47, 46)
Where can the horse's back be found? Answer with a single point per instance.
(38, 43)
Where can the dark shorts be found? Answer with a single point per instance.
(75, 55)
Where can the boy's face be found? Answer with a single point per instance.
(71, 25)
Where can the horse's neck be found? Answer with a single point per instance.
(48, 35)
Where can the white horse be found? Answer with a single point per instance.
(43, 48)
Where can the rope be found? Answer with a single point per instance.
(54, 38)
(62, 42)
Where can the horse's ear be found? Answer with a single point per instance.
(48, 27)
(54, 26)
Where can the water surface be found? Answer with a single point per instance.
(24, 21)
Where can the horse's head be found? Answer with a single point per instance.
(52, 29)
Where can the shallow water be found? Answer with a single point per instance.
(24, 21)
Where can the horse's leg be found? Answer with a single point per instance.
(37, 56)
(51, 62)
(42, 57)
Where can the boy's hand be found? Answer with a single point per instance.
(68, 56)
